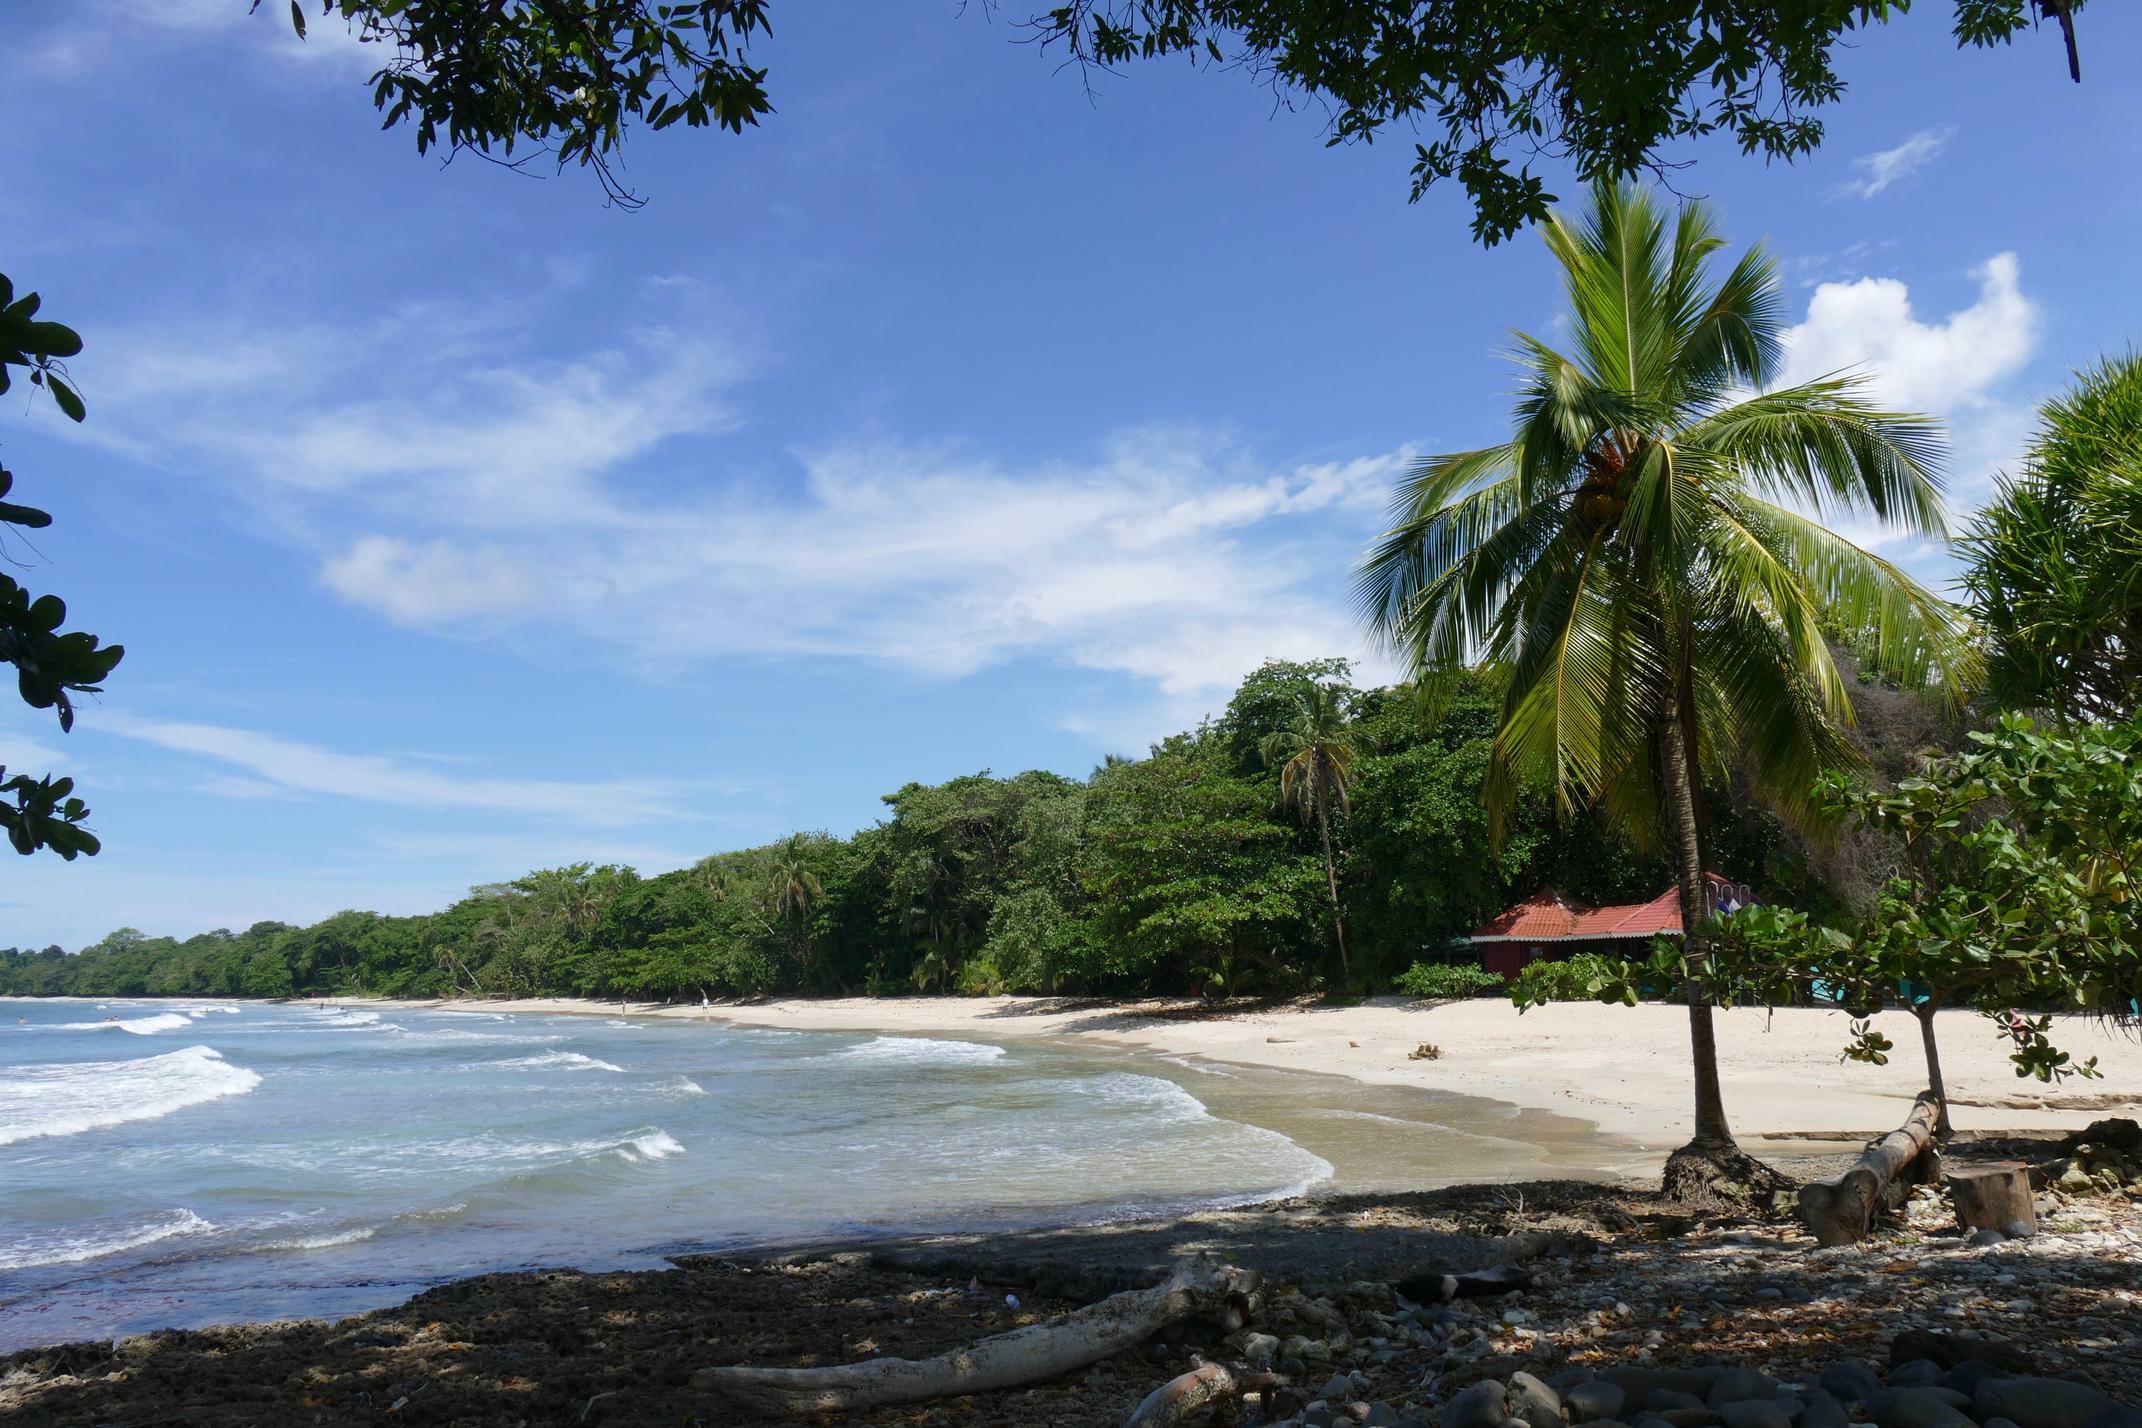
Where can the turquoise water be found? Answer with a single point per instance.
(188, 1162)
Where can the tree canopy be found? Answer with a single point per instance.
(51, 665)
(1499, 86)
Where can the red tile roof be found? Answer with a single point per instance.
(1547, 916)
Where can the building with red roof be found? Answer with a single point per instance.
(1549, 926)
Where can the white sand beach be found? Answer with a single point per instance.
(1623, 1068)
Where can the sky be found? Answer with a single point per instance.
(456, 523)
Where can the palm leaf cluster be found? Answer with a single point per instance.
(1648, 552)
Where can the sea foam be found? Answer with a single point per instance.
(85, 1241)
(564, 1060)
(140, 1026)
(922, 1051)
(70, 1097)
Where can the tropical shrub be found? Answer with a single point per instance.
(1585, 977)
(1448, 981)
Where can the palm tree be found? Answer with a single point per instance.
(796, 890)
(1316, 759)
(1640, 561)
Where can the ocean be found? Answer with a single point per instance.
(183, 1163)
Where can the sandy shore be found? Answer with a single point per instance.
(1623, 1069)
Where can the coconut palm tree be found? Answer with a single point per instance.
(1646, 560)
(1316, 759)
(796, 891)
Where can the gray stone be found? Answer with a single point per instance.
(1566, 1379)
(1337, 1389)
(1823, 1411)
(1667, 1400)
(1590, 1402)
(1319, 1415)
(1638, 1382)
(1968, 1375)
(1381, 1415)
(1534, 1401)
(1851, 1381)
(1260, 1350)
(1754, 1413)
(2040, 1402)
(2117, 1416)
(1484, 1405)
(1985, 1239)
(1739, 1385)
(1916, 1408)
(2019, 1229)
(1919, 1373)
(1690, 1417)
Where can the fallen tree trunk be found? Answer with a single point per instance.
(1187, 1395)
(1025, 1355)
(1841, 1210)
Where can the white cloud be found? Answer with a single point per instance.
(1960, 368)
(414, 583)
(446, 487)
(285, 765)
(1879, 171)
(1869, 326)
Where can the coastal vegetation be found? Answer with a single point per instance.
(1636, 559)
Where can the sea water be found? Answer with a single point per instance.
(174, 1164)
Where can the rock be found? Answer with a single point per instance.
(2040, 1402)
(1739, 1385)
(1442, 1286)
(1948, 1350)
(1590, 1402)
(1260, 1350)
(1484, 1405)
(2117, 1416)
(1917, 1408)
(1337, 1389)
(1381, 1415)
(1919, 1373)
(2019, 1229)
(1754, 1413)
(1667, 1400)
(1639, 1382)
(1968, 1375)
(1690, 1417)
(1566, 1379)
(1319, 1415)
(1534, 1402)
(1823, 1411)
(1984, 1239)
(1851, 1381)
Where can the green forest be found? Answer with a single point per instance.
(1183, 871)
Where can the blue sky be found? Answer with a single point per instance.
(456, 524)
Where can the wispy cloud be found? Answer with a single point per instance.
(282, 766)
(1882, 170)
(452, 492)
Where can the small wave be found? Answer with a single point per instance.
(572, 1059)
(1203, 1068)
(683, 1086)
(324, 1241)
(78, 1243)
(343, 1016)
(204, 1011)
(69, 1097)
(652, 1145)
(922, 1051)
(140, 1026)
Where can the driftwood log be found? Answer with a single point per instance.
(1028, 1355)
(1187, 1395)
(1842, 1209)
(1993, 1196)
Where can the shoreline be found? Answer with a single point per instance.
(1620, 1070)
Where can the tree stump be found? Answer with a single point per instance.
(1992, 1197)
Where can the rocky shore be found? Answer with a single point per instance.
(1602, 1304)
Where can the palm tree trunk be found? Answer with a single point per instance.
(1712, 1132)
(1331, 879)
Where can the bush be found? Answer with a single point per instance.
(1586, 977)
(1442, 981)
